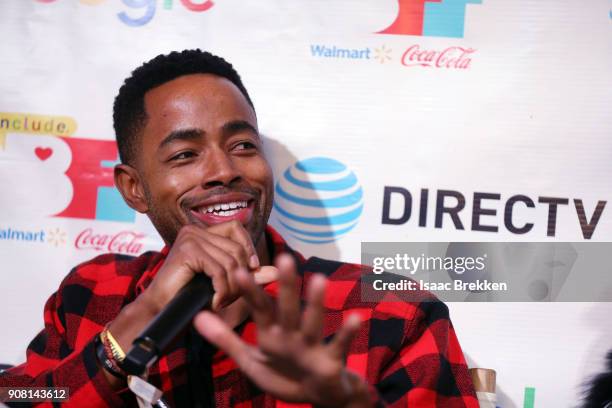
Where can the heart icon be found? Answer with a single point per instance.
(43, 153)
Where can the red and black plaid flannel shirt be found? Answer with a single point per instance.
(407, 352)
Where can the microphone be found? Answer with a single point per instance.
(147, 347)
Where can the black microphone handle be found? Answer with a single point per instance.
(173, 318)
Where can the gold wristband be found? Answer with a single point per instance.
(118, 353)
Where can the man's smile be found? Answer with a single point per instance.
(224, 207)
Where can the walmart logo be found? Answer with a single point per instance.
(318, 200)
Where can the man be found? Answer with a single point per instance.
(192, 161)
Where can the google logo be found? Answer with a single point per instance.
(147, 8)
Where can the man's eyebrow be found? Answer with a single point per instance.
(182, 134)
(236, 126)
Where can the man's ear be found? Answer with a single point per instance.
(130, 186)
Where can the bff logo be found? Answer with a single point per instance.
(32, 176)
(91, 175)
(430, 18)
(43, 175)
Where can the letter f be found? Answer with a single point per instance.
(410, 17)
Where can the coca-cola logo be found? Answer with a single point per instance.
(451, 57)
(125, 242)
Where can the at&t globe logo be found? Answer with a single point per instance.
(318, 200)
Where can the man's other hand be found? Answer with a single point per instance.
(291, 361)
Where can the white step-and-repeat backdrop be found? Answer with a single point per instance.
(413, 105)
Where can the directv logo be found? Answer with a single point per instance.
(318, 200)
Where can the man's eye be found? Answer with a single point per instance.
(245, 146)
(182, 156)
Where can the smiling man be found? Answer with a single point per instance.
(295, 332)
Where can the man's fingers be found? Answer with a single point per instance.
(229, 248)
(265, 275)
(221, 335)
(261, 306)
(209, 265)
(229, 265)
(235, 249)
(340, 343)
(288, 297)
(312, 323)
(236, 232)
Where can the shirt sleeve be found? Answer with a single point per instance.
(430, 369)
(58, 359)
(406, 349)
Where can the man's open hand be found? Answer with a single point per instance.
(290, 361)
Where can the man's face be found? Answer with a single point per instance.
(200, 159)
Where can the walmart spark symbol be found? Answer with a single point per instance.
(382, 54)
(56, 237)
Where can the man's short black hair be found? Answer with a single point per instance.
(129, 115)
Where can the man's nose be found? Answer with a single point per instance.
(219, 169)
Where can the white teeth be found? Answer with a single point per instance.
(225, 209)
(227, 213)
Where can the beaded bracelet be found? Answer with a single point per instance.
(108, 363)
(116, 350)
